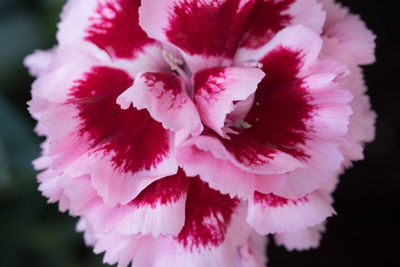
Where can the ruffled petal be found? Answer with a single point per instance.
(347, 39)
(253, 252)
(301, 240)
(216, 89)
(269, 213)
(164, 95)
(191, 26)
(235, 166)
(323, 161)
(39, 61)
(110, 25)
(299, 107)
(214, 230)
(346, 36)
(89, 133)
(295, 41)
(158, 209)
(50, 187)
(270, 16)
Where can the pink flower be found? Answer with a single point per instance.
(181, 131)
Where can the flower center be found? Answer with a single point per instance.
(178, 66)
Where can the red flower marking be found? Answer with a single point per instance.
(171, 84)
(137, 141)
(275, 201)
(264, 21)
(206, 82)
(247, 150)
(213, 29)
(281, 105)
(120, 36)
(208, 215)
(163, 191)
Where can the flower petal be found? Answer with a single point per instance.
(216, 89)
(50, 187)
(191, 26)
(269, 213)
(281, 106)
(270, 16)
(300, 108)
(158, 209)
(235, 166)
(346, 36)
(111, 25)
(301, 240)
(123, 150)
(214, 230)
(116, 134)
(323, 161)
(39, 61)
(252, 253)
(164, 95)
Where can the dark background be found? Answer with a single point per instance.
(33, 233)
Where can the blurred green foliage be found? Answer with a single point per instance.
(32, 232)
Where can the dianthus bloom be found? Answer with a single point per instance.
(182, 132)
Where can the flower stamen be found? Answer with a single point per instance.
(177, 65)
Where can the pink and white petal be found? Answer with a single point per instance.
(241, 109)
(346, 36)
(54, 84)
(331, 112)
(164, 95)
(103, 218)
(74, 20)
(270, 16)
(39, 61)
(220, 174)
(88, 236)
(297, 39)
(308, 13)
(214, 229)
(158, 209)
(269, 183)
(281, 107)
(63, 146)
(323, 161)
(84, 201)
(109, 25)
(216, 89)
(301, 240)
(37, 106)
(330, 121)
(361, 129)
(120, 154)
(122, 250)
(49, 181)
(299, 116)
(50, 187)
(273, 214)
(190, 26)
(208, 157)
(120, 183)
(67, 67)
(253, 252)
(89, 133)
(215, 243)
(43, 162)
(80, 193)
